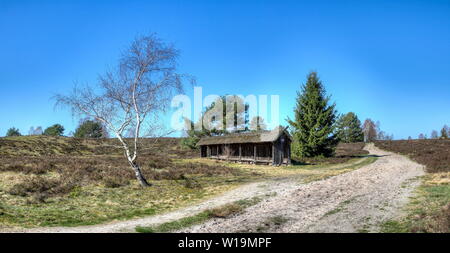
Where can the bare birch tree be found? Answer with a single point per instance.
(369, 130)
(132, 96)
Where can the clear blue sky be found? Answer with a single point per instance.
(389, 60)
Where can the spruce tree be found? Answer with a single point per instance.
(349, 128)
(313, 127)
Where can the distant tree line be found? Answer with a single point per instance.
(372, 132)
(443, 134)
(87, 128)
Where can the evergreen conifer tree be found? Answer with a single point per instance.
(313, 126)
(349, 128)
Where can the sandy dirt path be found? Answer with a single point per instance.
(354, 201)
(357, 201)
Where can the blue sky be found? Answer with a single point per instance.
(387, 60)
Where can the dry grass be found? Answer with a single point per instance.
(50, 146)
(225, 211)
(307, 173)
(221, 212)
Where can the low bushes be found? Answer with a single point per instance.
(40, 188)
(33, 184)
(435, 154)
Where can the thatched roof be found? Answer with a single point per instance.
(248, 137)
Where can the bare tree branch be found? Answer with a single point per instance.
(133, 96)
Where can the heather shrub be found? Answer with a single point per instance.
(37, 167)
(33, 184)
(59, 166)
(435, 154)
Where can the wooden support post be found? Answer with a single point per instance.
(254, 153)
(240, 152)
(289, 153)
(208, 151)
(273, 153)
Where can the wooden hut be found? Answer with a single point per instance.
(259, 147)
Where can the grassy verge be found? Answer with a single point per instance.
(327, 172)
(310, 173)
(175, 225)
(219, 212)
(429, 209)
(341, 207)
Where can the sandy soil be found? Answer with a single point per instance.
(352, 202)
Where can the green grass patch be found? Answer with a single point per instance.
(219, 212)
(334, 211)
(175, 225)
(95, 204)
(341, 207)
(427, 212)
(394, 226)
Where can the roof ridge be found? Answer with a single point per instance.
(243, 137)
(241, 133)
